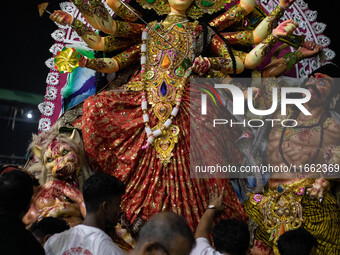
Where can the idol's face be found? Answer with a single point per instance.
(320, 87)
(180, 5)
(61, 160)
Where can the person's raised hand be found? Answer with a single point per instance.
(216, 198)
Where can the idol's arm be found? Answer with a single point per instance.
(251, 37)
(270, 22)
(124, 33)
(128, 14)
(233, 15)
(110, 65)
(249, 60)
(106, 24)
(118, 28)
(96, 15)
(256, 55)
(279, 66)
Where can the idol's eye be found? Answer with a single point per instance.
(321, 83)
(49, 160)
(64, 152)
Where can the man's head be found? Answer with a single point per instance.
(16, 189)
(47, 227)
(231, 236)
(102, 194)
(297, 242)
(322, 84)
(165, 234)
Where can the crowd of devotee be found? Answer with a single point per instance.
(165, 233)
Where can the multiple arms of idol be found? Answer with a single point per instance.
(124, 34)
(261, 35)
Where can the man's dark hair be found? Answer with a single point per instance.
(333, 71)
(9, 167)
(163, 228)
(296, 242)
(231, 236)
(49, 226)
(99, 188)
(16, 190)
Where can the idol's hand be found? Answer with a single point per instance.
(310, 49)
(201, 65)
(256, 93)
(248, 5)
(286, 3)
(61, 17)
(82, 61)
(317, 190)
(285, 28)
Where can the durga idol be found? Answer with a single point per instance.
(140, 133)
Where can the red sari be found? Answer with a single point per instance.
(113, 133)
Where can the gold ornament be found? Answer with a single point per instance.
(196, 10)
(67, 60)
(281, 207)
(166, 142)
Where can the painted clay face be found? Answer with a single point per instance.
(180, 5)
(320, 86)
(61, 160)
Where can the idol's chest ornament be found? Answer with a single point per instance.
(166, 54)
(281, 207)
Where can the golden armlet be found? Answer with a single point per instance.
(127, 57)
(83, 7)
(97, 64)
(127, 14)
(234, 14)
(98, 9)
(81, 29)
(128, 30)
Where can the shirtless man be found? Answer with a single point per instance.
(288, 202)
(315, 135)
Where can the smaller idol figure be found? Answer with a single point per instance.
(294, 199)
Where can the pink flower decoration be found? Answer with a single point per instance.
(300, 191)
(257, 198)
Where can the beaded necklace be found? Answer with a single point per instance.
(159, 130)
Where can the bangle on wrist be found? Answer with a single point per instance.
(211, 207)
(292, 58)
(83, 61)
(273, 32)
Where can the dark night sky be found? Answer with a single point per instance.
(26, 41)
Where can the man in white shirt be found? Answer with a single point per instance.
(230, 237)
(102, 197)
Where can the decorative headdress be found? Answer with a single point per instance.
(196, 10)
